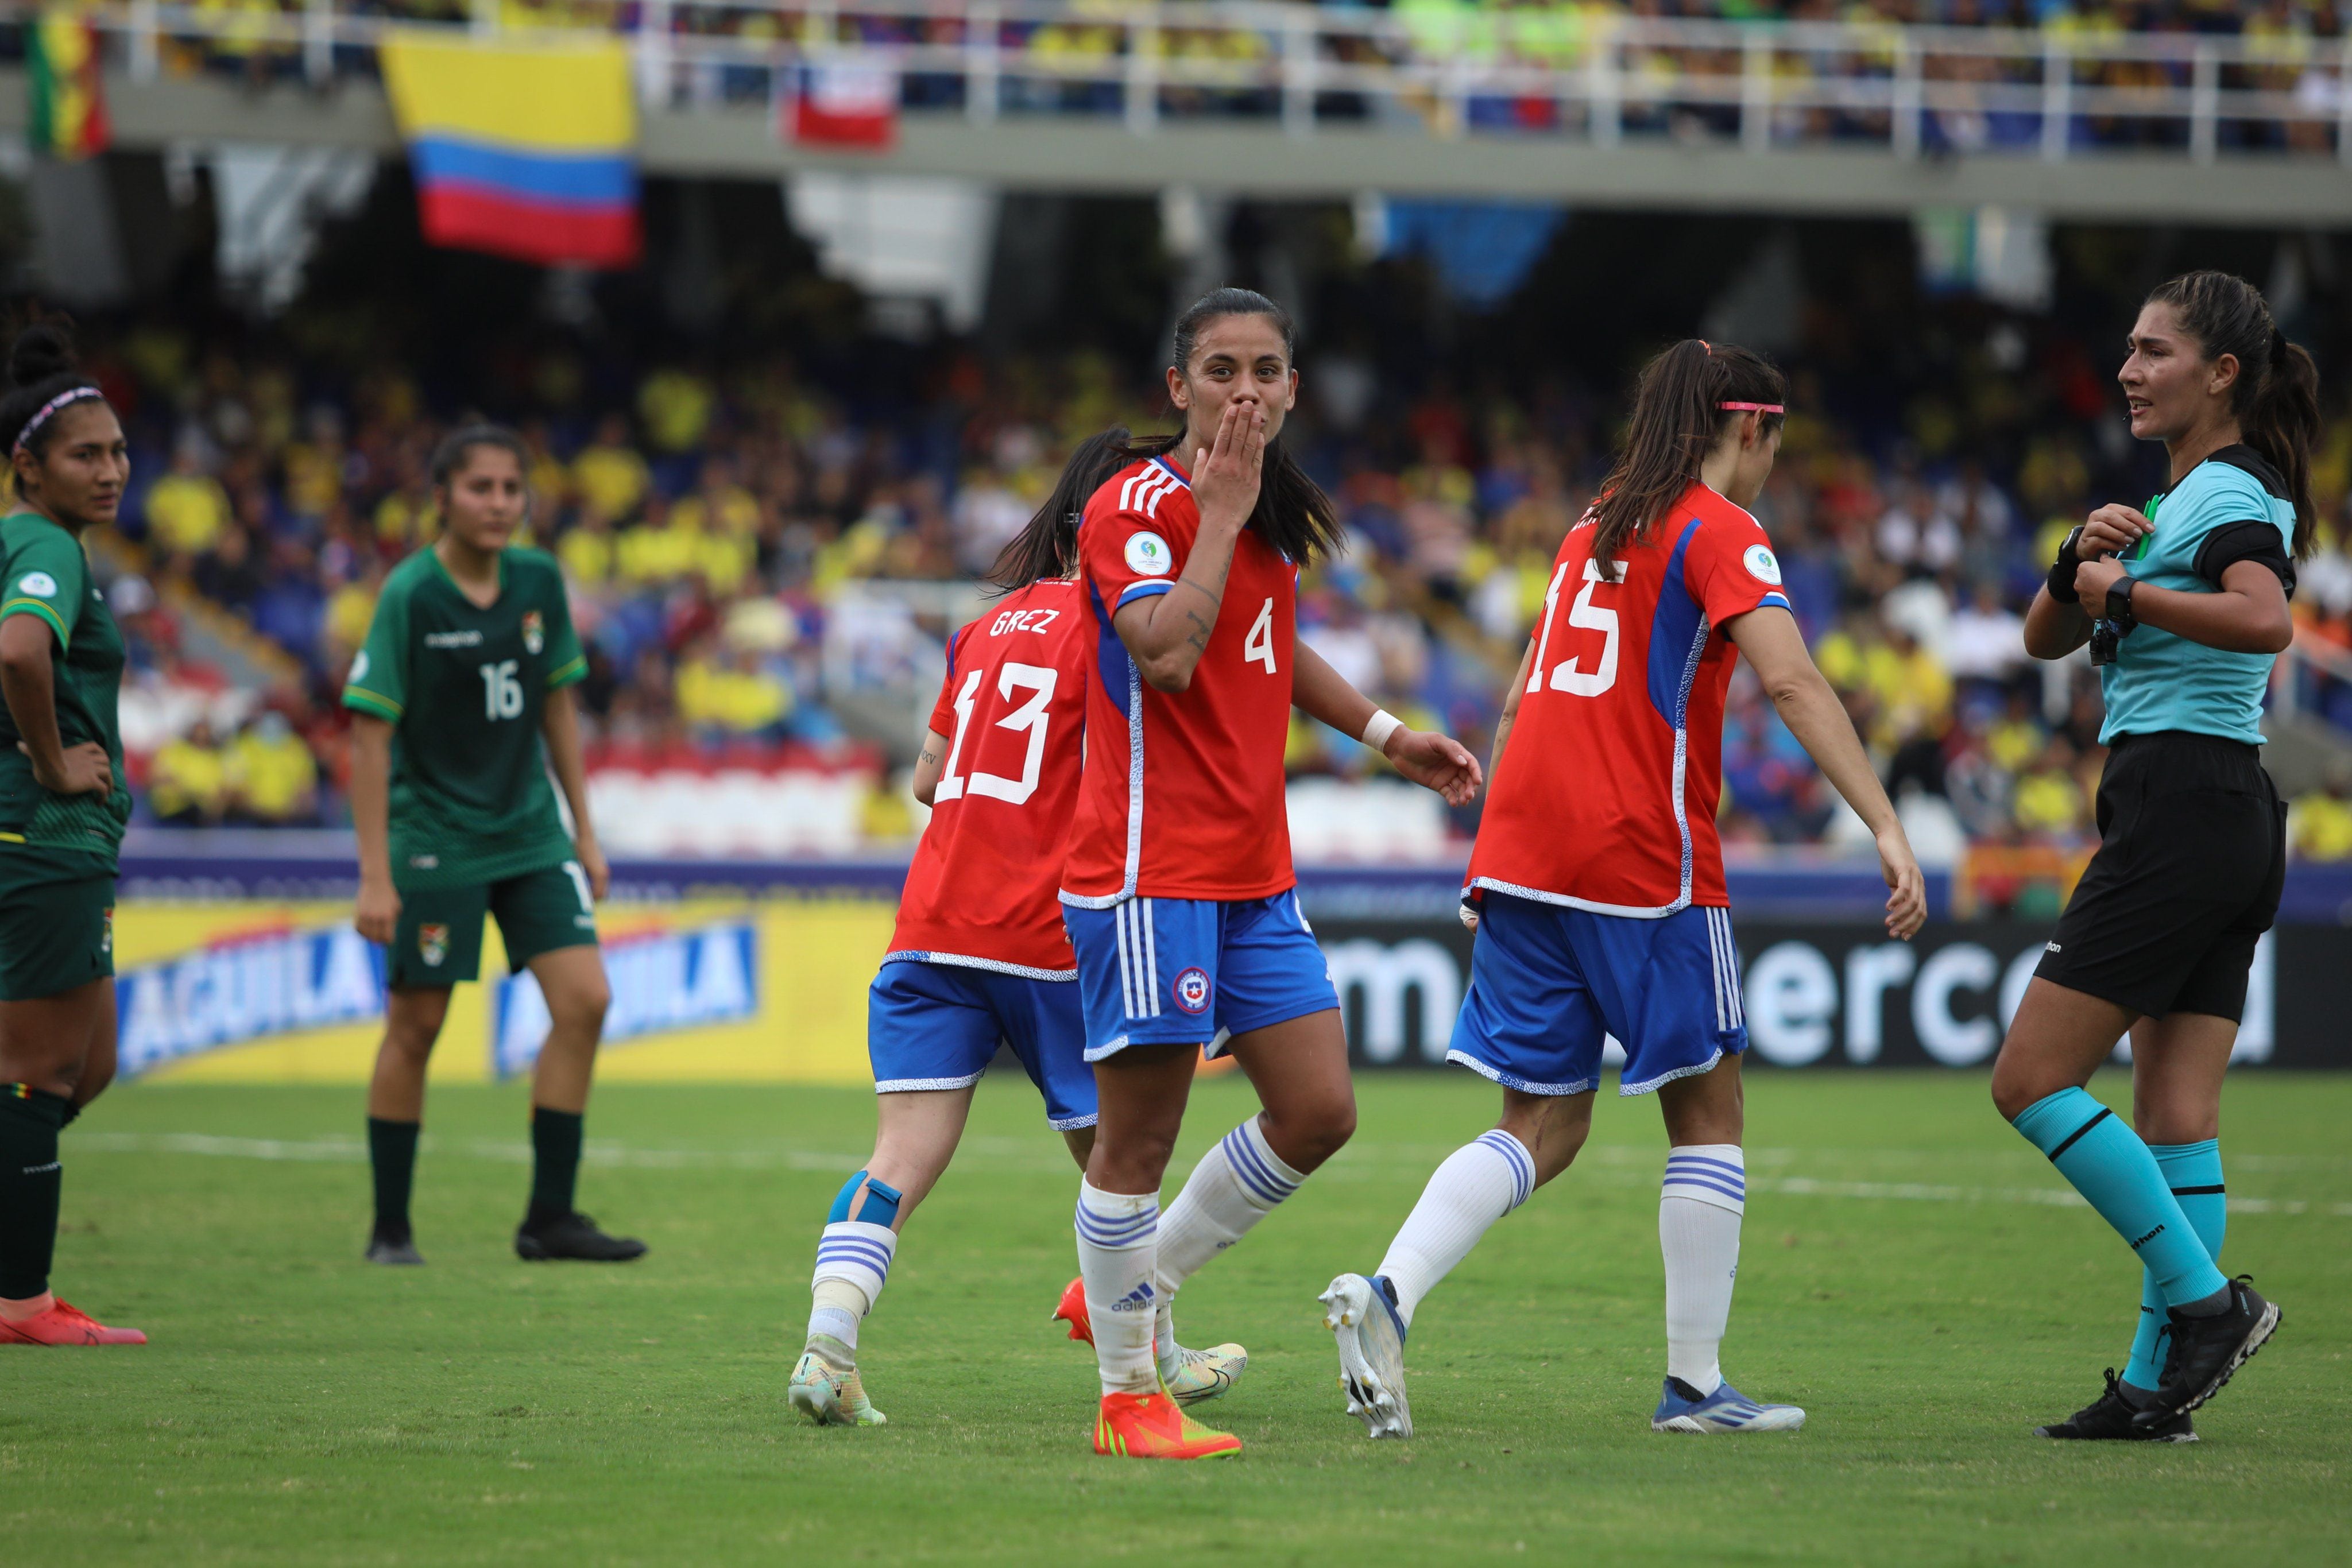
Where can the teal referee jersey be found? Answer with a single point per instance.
(2230, 508)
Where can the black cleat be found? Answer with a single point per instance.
(2206, 1351)
(397, 1248)
(2109, 1418)
(572, 1235)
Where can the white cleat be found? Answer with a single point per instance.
(831, 1398)
(1200, 1375)
(1372, 1353)
(1725, 1410)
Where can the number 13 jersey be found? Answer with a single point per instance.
(1604, 798)
(1183, 795)
(980, 891)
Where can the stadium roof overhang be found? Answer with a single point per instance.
(1085, 154)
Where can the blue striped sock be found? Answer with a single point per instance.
(2193, 1171)
(2116, 1173)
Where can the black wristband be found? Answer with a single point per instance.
(2062, 571)
(2119, 602)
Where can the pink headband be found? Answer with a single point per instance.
(41, 414)
(1756, 407)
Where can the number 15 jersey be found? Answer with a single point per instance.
(980, 891)
(1183, 795)
(1604, 798)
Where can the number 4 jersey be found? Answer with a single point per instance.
(464, 689)
(1183, 795)
(1604, 798)
(980, 892)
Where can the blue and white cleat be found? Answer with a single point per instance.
(1363, 1319)
(1682, 1409)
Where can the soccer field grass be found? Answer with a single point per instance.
(1912, 1275)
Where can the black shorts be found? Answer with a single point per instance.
(2192, 857)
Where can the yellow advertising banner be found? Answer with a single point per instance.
(729, 991)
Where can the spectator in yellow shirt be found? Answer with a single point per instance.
(2319, 826)
(186, 508)
(608, 474)
(657, 550)
(676, 406)
(187, 779)
(586, 550)
(271, 776)
(730, 691)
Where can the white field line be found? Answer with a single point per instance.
(1616, 1167)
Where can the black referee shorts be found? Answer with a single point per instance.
(2192, 856)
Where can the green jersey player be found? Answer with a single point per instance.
(468, 666)
(62, 807)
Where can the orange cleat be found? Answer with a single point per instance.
(65, 1324)
(1073, 1312)
(1154, 1427)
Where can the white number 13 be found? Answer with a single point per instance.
(1587, 616)
(1029, 715)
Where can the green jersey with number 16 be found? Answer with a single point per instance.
(464, 688)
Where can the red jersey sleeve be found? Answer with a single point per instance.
(1730, 568)
(943, 710)
(1128, 552)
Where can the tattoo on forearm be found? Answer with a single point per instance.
(926, 758)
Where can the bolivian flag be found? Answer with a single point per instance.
(523, 150)
(67, 115)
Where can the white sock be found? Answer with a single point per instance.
(1478, 1184)
(1236, 1183)
(853, 1259)
(1118, 1251)
(1699, 1208)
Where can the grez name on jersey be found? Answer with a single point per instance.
(1035, 621)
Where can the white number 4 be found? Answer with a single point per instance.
(1259, 644)
(1587, 616)
(502, 692)
(1029, 715)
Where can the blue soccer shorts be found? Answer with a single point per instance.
(935, 1026)
(1194, 971)
(1549, 985)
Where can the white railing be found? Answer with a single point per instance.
(1913, 92)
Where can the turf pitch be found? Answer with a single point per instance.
(1912, 1274)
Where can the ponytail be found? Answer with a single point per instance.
(2276, 395)
(1679, 414)
(1047, 545)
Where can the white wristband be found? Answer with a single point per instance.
(1379, 728)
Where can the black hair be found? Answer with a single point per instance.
(459, 444)
(1679, 417)
(2276, 395)
(1047, 545)
(41, 366)
(1292, 514)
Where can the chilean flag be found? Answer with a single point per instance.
(844, 106)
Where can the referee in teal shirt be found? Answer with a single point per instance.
(2184, 606)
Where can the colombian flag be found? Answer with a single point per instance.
(67, 112)
(527, 152)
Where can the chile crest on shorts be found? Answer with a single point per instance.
(1191, 988)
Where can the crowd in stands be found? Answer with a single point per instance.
(763, 577)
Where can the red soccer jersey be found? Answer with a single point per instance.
(1604, 798)
(980, 889)
(1183, 795)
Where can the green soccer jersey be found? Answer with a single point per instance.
(464, 689)
(44, 574)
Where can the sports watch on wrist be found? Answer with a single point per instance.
(2119, 602)
(2062, 570)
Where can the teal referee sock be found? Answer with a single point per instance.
(2193, 1171)
(2116, 1173)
